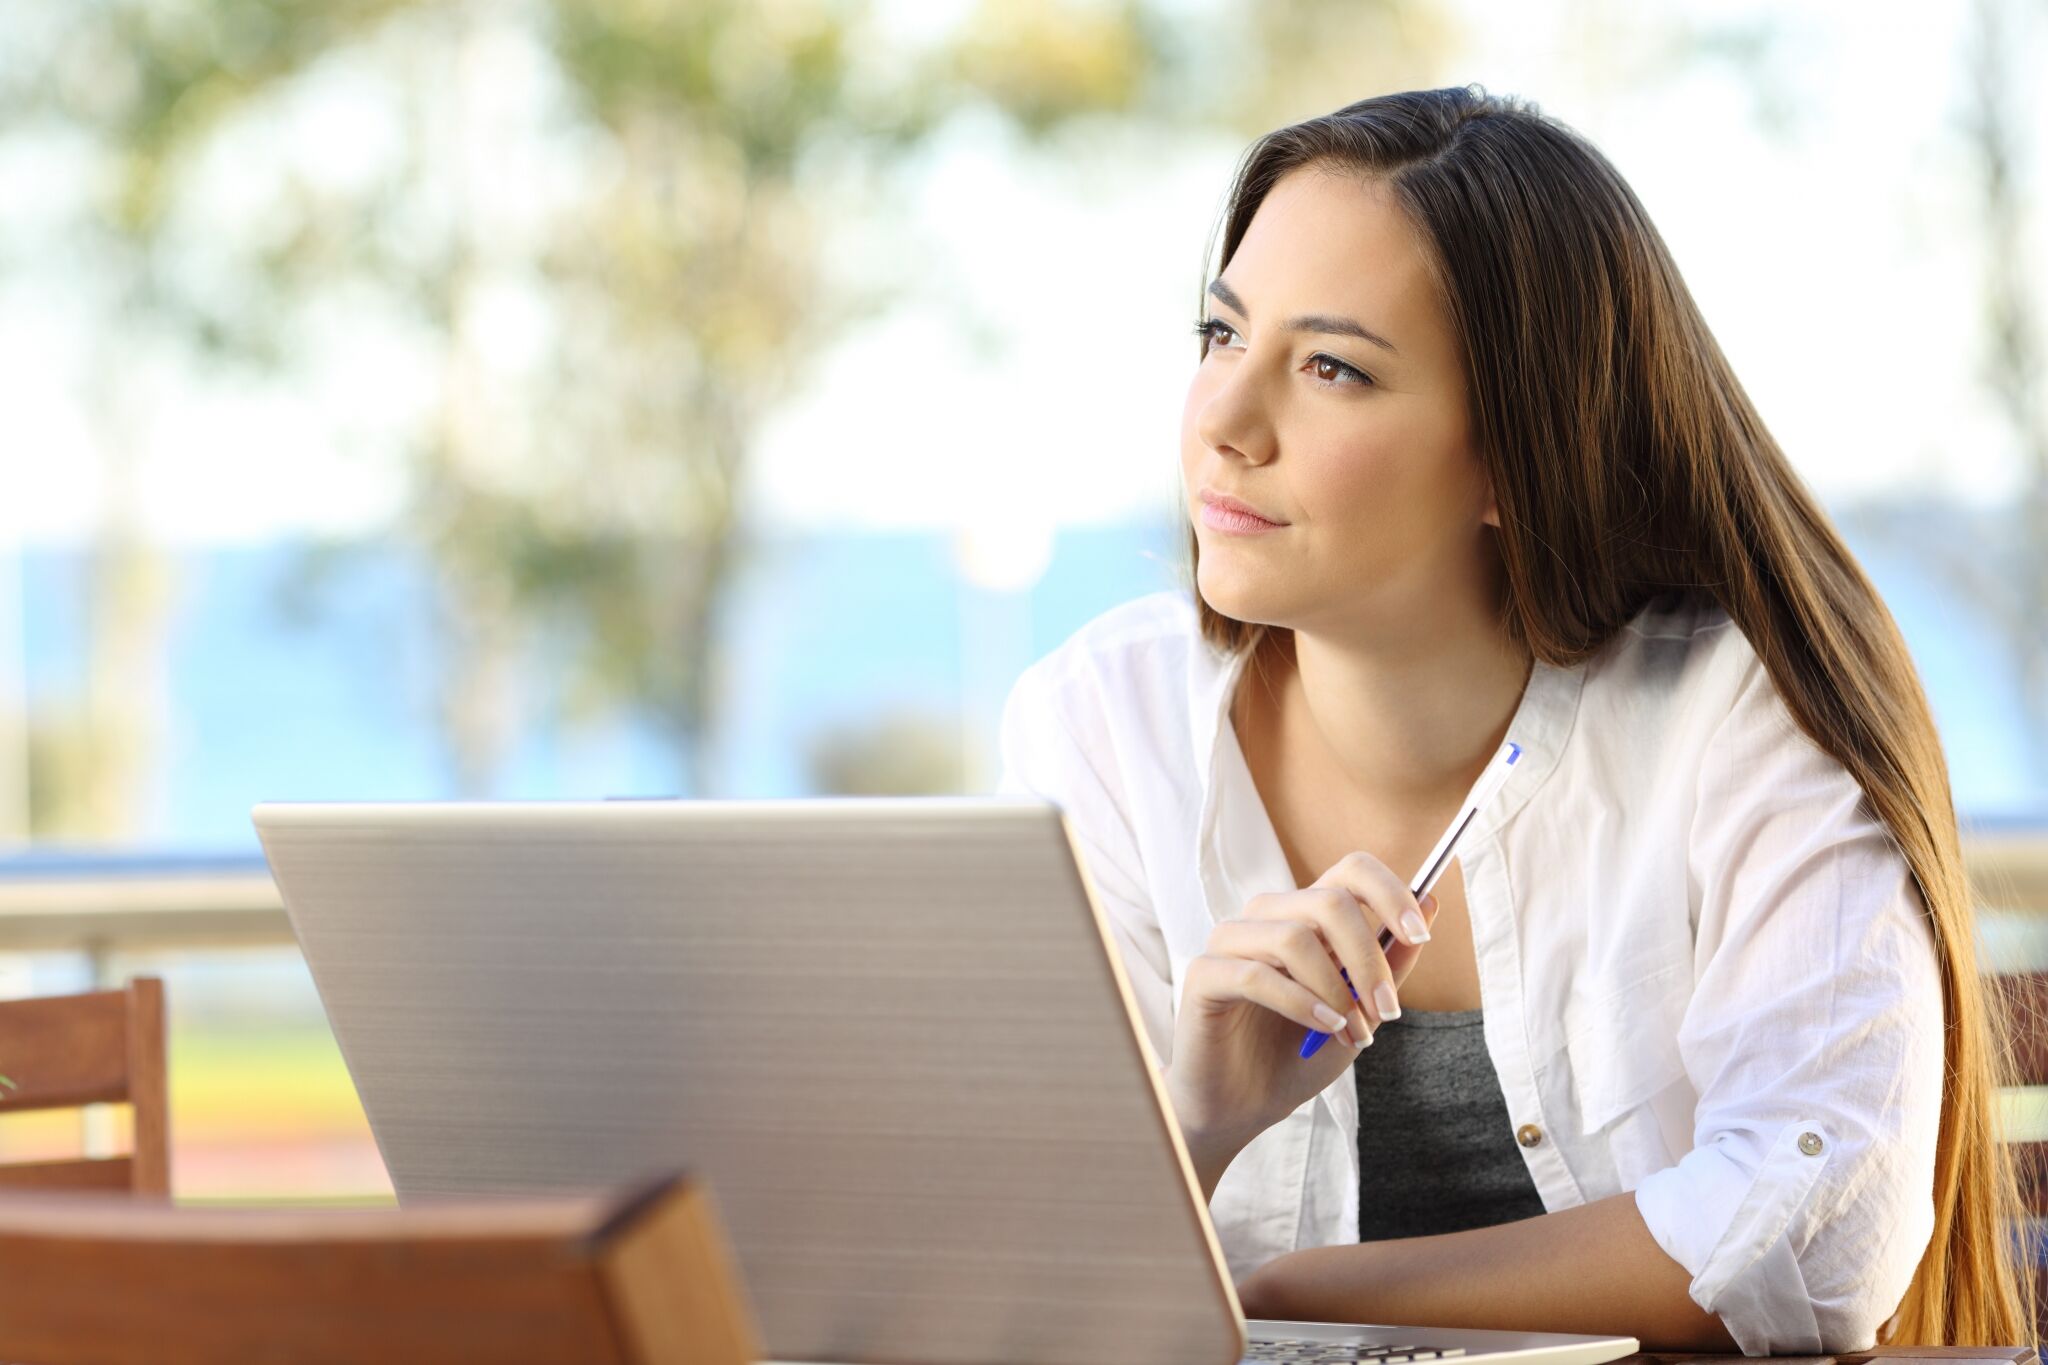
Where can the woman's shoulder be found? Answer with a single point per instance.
(1131, 688)
(1679, 656)
(1677, 625)
(1138, 652)
(1675, 685)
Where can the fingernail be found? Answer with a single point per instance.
(1362, 1046)
(1332, 1021)
(1412, 921)
(1383, 996)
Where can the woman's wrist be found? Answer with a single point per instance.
(1210, 1162)
(1211, 1151)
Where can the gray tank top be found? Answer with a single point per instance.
(1436, 1150)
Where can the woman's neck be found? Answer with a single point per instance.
(1410, 722)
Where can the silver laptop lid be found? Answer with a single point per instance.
(892, 1032)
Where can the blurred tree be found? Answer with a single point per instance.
(685, 280)
(664, 204)
(692, 288)
(688, 290)
(1995, 559)
(136, 90)
(2011, 584)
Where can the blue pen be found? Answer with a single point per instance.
(1490, 782)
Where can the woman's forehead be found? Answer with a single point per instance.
(1323, 243)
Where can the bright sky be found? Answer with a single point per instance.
(1835, 262)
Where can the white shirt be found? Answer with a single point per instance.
(1706, 971)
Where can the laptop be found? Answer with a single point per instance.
(891, 1032)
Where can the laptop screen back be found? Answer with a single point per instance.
(891, 1032)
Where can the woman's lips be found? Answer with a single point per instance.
(1219, 518)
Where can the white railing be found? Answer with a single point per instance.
(104, 905)
(98, 904)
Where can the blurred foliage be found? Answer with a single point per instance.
(662, 201)
(1298, 58)
(1994, 560)
(1044, 61)
(2012, 588)
(907, 753)
(689, 160)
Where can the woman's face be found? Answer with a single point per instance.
(1359, 444)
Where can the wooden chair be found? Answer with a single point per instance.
(2026, 1028)
(645, 1278)
(63, 1051)
(2023, 997)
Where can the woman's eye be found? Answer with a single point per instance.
(1322, 362)
(1329, 369)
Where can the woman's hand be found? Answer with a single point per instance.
(1237, 1067)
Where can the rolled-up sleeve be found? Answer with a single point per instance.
(1043, 756)
(1814, 1041)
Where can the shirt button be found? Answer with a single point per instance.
(1528, 1135)
(1809, 1143)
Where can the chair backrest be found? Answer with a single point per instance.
(63, 1051)
(645, 1278)
(2024, 1028)
(2020, 1003)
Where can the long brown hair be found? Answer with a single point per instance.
(1627, 463)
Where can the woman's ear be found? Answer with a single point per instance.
(1482, 485)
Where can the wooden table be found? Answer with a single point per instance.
(1978, 1355)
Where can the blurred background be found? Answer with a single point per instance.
(466, 398)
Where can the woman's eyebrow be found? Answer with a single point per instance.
(1325, 323)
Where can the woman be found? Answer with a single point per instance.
(1689, 1043)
